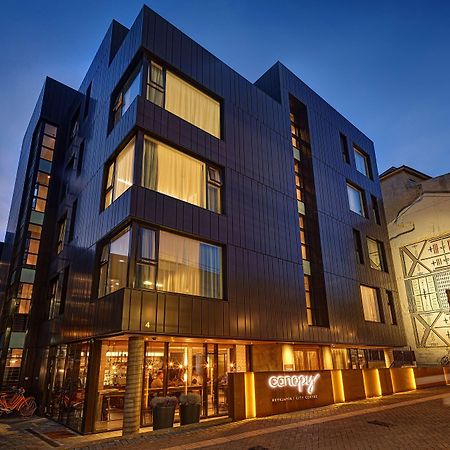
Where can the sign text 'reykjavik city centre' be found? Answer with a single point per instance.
(302, 382)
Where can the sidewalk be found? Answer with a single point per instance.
(418, 419)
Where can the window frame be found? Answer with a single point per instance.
(134, 259)
(344, 147)
(357, 242)
(117, 98)
(61, 234)
(149, 61)
(379, 304)
(361, 196)
(112, 164)
(381, 255)
(208, 181)
(357, 151)
(391, 307)
(105, 263)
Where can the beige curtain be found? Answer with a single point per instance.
(179, 261)
(192, 105)
(370, 304)
(173, 173)
(124, 170)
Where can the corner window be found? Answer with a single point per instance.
(178, 175)
(356, 200)
(371, 304)
(179, 97)
(362, 162)
(164, 262)
(126, 95)
(376, 254)
(114, 264)
(119, 174)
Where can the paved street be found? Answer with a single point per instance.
(418, 420)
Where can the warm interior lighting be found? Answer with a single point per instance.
(338, 386)
(250, 403)
(372, 384)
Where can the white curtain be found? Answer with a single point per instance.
(370, 304)
(173, 173)
(124, 170)
(192, 105)
(185, 267)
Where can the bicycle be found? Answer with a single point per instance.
(16, 401)
(445, 360)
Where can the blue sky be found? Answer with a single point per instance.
(384, 65)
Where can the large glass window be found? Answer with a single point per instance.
(120, 174)
(146, 259)
(356, 200)
(178, 175)
(189, 266)
(371, 304)
(130, 90)
(167, 90)
(376, 254)
(114, 264)
(361, 161)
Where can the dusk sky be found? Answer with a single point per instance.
(384, 65)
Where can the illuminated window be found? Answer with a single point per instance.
(189, 266)
(119, 176)
(32, 244)
(130, 90)
(376, 254)
(303, 243)
(178, 175)
(356, 200)
(146, 259)
(12, 367)
(155, 84)
(371, 304)
(362, 162)
(167, 90)
(114, 264)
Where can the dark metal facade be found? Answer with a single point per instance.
(263, 274)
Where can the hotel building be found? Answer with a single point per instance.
(173, 222)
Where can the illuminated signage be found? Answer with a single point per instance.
(301, 382)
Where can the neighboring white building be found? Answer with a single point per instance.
(418, 217)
